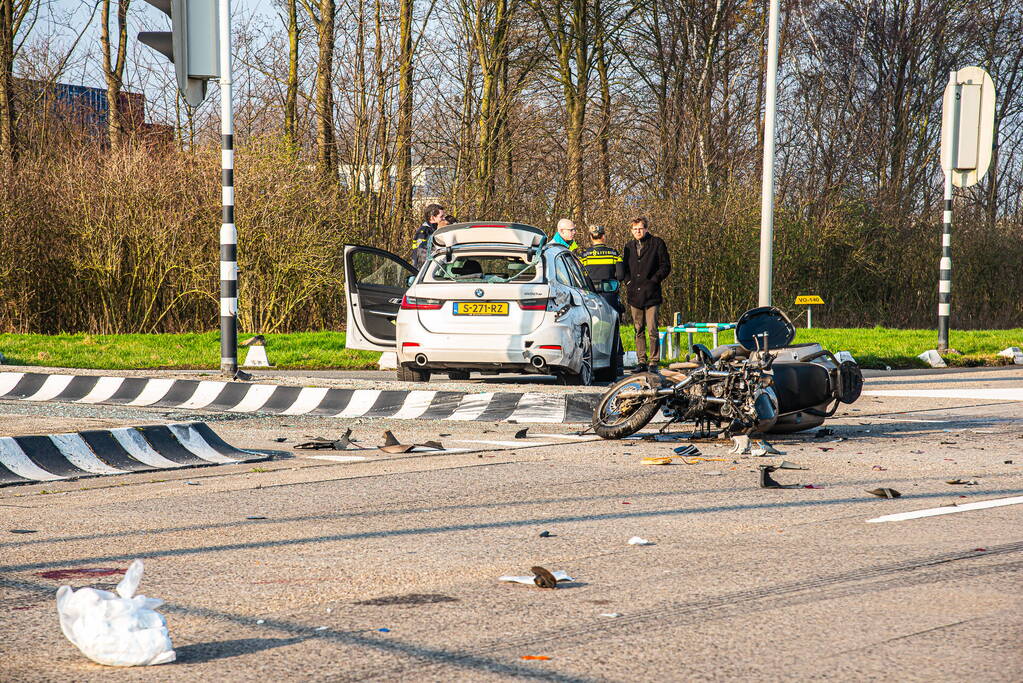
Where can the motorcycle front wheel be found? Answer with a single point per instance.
(614, 418)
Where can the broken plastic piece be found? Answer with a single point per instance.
(766, 480)
(392, 445)
(824, 431)
(543, 578)
(545, 534)
(436, 445)
(786, 465)
(636, 540)
(687, 451)
(963, 482)
(530, 580)
(521, 434)
(538, 658)
(23, 531)
(884, 493)
(655, 461)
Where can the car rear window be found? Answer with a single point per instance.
(489, 268)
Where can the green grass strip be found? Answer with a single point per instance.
(878, 347)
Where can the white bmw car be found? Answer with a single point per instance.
(493, 297)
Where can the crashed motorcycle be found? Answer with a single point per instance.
(761, 384)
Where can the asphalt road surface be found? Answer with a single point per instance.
(375, 566)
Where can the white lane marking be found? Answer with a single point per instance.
(154, 390)
(188, 437)
(511, 444)
(563, 436)
(14, 459)
(205, 394)
(255, 398)
(362, 400)
(9, 380)
(338, 458)
(535, 407)
(1015, 394)
(104, 389)
(416, 403)
(306, 400)
(471, 406)
(79, 454)
(132, 441)
(948, 509)
(53, 385)
(890, 419)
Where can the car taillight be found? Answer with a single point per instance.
(534, 304)
(419, 303)
(551, 347)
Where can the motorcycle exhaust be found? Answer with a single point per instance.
(421, 359)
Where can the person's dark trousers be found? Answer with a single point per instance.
(615, 302)
(645, 320)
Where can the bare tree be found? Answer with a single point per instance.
(323, 17)
(113, 69)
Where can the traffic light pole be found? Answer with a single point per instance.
(228, 232)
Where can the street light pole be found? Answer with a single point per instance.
(228, 232)
(767, 189)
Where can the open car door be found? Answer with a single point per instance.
(375, 282)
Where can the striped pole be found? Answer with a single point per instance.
(228, 233)
(945, 268)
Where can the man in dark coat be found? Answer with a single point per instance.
(432, 215)
(646, 265)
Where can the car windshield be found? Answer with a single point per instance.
(492, 268)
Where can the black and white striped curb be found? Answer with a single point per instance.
(29, 459)
(237, 397)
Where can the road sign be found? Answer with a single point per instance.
(808, 299)
(192, 44)
(967, 125)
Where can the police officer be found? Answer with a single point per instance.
(604, 266)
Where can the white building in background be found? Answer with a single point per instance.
(428, 182)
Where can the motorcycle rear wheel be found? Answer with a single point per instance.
(613, 420)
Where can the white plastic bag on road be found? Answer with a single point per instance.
(116, 630)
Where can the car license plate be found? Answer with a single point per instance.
(481, 307)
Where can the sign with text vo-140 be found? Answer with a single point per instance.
(808, 299)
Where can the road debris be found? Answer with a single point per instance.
(537, 658)
(879, 468)
(687, 451)
(786, 465)
(543, 578)
(962, 482)
(256, 517)
(766, 480)
(884, 493)
(530, 580)
(120, 629)
(521, 434)
(546, 534)
(712, 473)
(823, 432)
(392, 445)
(656, 461)
(743, 445)
(698, 459)
(636, 540)
(23, 531)
(611, 615)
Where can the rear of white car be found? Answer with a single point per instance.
(492, 297)
(486, 309)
